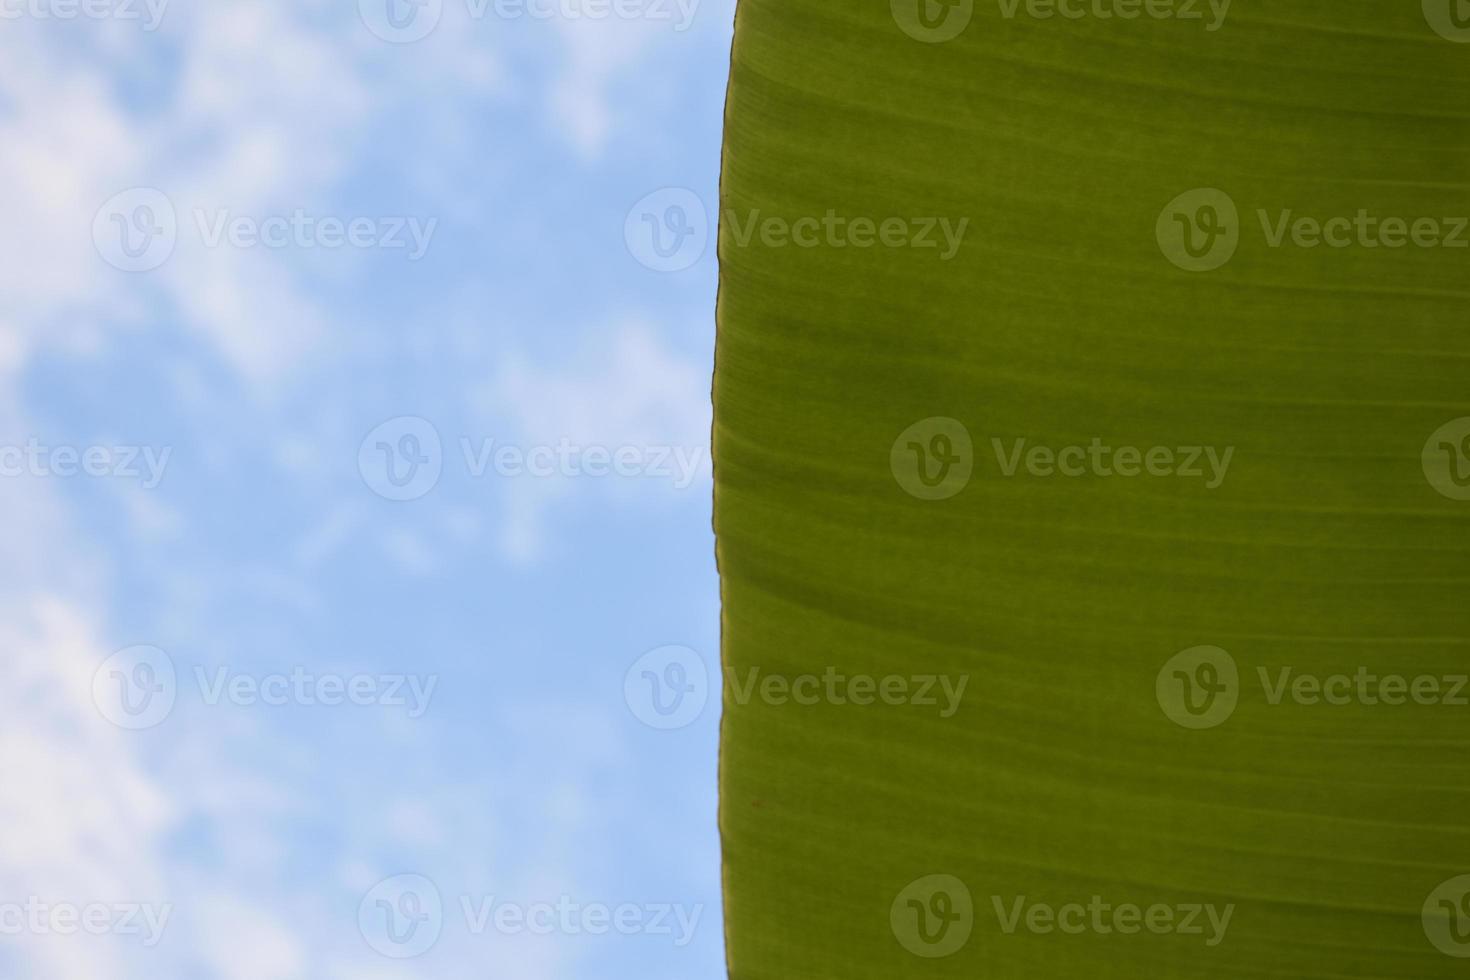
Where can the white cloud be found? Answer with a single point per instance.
(62, 137)
(262, 118)
(80, 818)
(595, 55)
(244, 941)
(621, 388)
(256, 109)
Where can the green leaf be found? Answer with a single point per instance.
(1179, 684)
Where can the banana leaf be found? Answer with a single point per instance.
(1092, 455)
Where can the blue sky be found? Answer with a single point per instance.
(242, 239)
